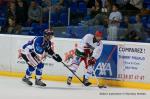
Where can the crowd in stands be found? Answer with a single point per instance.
(133, 16)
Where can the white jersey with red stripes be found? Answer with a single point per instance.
(88, 40)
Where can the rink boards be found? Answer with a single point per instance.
(122, 64)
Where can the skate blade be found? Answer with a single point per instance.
(26, 83)
(38, 86)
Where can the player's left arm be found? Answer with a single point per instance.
(97, 51)
(55, 56)
(96, 54)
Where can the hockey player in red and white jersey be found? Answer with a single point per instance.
(89, 50)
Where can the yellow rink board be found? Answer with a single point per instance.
(116, 83)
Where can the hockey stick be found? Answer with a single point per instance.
(87, 84)
(97, 81)
(81, 80)
(72, 72)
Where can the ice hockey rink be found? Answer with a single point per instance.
(14, 88)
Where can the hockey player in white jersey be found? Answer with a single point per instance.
(89, 50)
(33, 53)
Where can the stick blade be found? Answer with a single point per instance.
(87, 84)
(102, 86)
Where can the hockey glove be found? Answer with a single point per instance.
(57, 58)
(91, 61)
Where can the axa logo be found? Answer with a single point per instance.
(103, 69)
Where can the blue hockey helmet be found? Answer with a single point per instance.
(48, 32)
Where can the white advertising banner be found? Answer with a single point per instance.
(132, 62)
(5, 53)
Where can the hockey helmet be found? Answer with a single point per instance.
(98, 34)
(48, 32)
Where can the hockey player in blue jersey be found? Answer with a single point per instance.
(33, 52)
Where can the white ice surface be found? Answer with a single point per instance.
(14, 88)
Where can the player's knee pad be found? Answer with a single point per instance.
(39, 69)
(30, 70)
(89, 72)
(40, 66)
(74, 67)
(90, 69)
